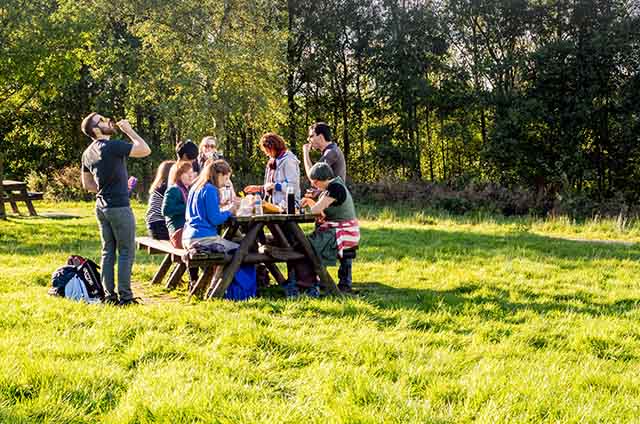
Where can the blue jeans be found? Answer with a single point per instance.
(344, 272)
(117, 230)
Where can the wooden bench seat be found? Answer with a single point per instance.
(201, 260)
(16, 191)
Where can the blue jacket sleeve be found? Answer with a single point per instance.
(212, 204)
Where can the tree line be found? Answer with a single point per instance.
(542, 94)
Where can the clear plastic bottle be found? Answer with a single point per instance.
(257, 208)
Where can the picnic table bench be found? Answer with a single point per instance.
(273, 249)
(16, 191)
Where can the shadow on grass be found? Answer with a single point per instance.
(490, 302)
(391, 244)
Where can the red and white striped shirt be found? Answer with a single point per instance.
(347, 233)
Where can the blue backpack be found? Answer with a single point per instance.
(77, 266)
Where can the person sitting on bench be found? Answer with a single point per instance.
(156, 225)
(337, 228)
(174, 205)
(203, 208)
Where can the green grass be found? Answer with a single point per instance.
(459, 319)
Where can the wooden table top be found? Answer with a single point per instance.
(275, 217)
(11, 184)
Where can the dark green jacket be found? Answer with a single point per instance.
(173, 209)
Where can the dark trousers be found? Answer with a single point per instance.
(344, 272)
(158, 230)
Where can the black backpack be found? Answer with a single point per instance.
(85, 269)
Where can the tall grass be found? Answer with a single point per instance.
(458, 319)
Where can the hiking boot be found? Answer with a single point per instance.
(129, 302)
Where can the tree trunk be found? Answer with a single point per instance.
(291, 102)
(3, 213)
(429, 142)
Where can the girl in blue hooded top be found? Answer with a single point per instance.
(203, 207)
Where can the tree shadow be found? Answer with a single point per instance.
(387, 306)
(391, 244)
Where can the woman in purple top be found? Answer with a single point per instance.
(203, 208)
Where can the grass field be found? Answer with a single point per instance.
(457, 320)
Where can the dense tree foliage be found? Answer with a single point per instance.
(537, 93)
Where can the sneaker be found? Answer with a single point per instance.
(132, 301)
(313, 291)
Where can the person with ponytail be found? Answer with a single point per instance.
(156, 225)
(203, 208)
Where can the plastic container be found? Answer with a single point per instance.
(257, 206)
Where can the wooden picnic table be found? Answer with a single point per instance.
(255, 247)
(16, 191)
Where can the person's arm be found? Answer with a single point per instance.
(306, 148)
(88, 183)
(322, 204)
(214, 216)
(140, 148)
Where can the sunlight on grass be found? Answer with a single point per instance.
(458, 319)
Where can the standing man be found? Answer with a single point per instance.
(104, 172)
(320, 139)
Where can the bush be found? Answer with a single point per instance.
(474, 197)
(62, 184)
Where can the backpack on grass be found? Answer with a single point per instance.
(78, 280)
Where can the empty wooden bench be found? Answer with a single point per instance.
(16, 191)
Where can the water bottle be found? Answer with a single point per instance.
(291, 200)
(257, 209)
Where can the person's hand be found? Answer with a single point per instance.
(131, 184)
(124, 125)
(235, 205)
(306, 147)
(306, 201)
(311, 193)
(253, 189)
(269, 187)
(321, 218)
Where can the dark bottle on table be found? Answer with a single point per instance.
(291, 200)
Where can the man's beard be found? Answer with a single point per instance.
(108, 130)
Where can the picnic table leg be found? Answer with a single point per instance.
(162, 271)
(206, 276)
(230, 232)
(14, 205)
(273, 268)
(32, 210)
(176, 276)
(307, 249)
(278, 234)
(216, 277)
(282, 240)
(231, 269)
